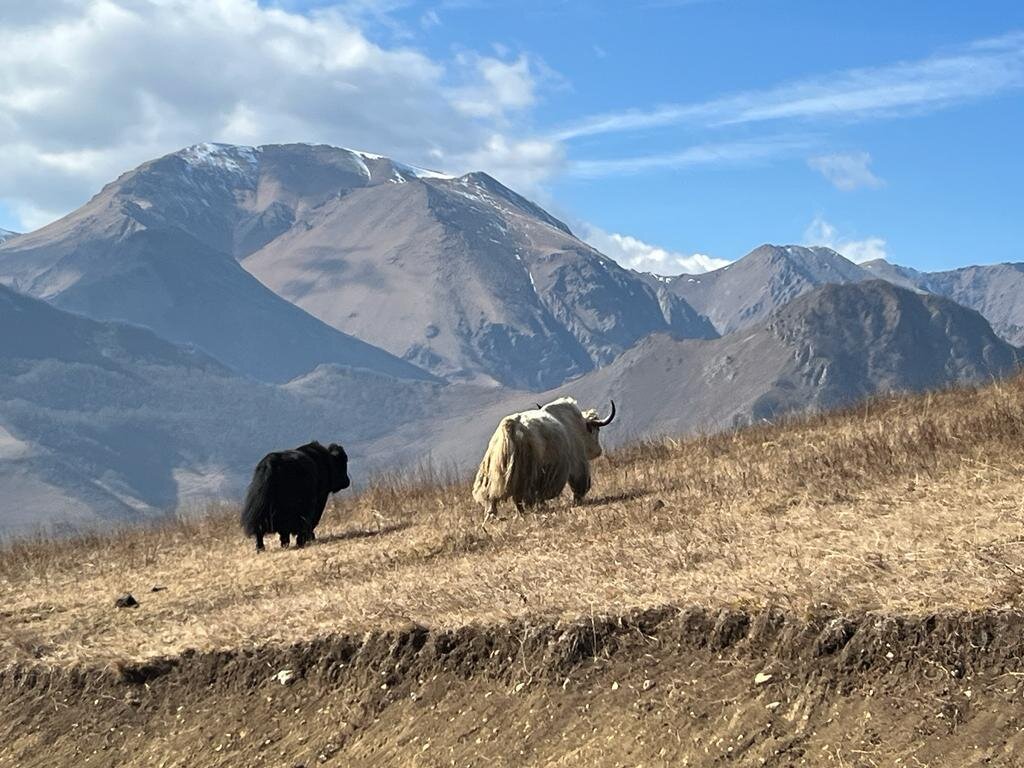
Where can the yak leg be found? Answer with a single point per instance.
(308, 521)
(286, 540)
(580, 484)
(490, 510)
(318, 513)
(259, 542)
(521, 507)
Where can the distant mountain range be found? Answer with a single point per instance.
(829, 347)
(996, 291)
(222, 301)
(767, 278)
(770, 276)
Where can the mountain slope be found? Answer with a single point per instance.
(118, 258)
(830, 347)
(78, 406)
(6, 234)
(464, 277)
(461, 276)
(994, 290)
(107, 421)
(904, 277)
(767, 278)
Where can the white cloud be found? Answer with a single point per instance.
(501, 86)
(703, 154)
(635, 254)
(89, 89)
(979, 70)
(820, 232)
(522, 164)
(847, 171)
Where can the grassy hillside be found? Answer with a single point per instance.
(907, 504)
(906, 510)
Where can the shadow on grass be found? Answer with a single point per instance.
(361, 533)
(614, 497)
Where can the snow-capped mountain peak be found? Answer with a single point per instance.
(230, 157)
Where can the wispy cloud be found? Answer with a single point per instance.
(978, 70)
(847, 171)
(636, 254)
(820, 232)
(701, 154)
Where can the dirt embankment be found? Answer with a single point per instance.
(659, 687)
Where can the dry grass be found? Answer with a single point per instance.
(909, 505)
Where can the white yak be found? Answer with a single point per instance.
(533, 454)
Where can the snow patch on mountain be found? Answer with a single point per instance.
(423, 173)
(235, 158)
(13, 448)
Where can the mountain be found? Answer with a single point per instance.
(996, 290)
(904, 277)
(105, 421)
(770, 276)
(463, 277)
(80, 409)
(827, 348)
(6, 234)
(460, 276)
(102, 421)
(119, 258)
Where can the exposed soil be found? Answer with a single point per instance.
(659, 687)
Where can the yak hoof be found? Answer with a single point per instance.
(490, 510)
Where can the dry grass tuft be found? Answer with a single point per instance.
(907, 504)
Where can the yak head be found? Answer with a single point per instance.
(339, 467)
(593, 423)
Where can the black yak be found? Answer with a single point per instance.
(289, 491)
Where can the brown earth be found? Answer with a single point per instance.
(659, 687)
(870, 562)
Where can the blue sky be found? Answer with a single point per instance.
(658, 129)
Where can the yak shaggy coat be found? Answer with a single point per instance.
(289, 491)
(533, 454)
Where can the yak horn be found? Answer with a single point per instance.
(606, 422)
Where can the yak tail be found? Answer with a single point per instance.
(505, 471)
(258, 509)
